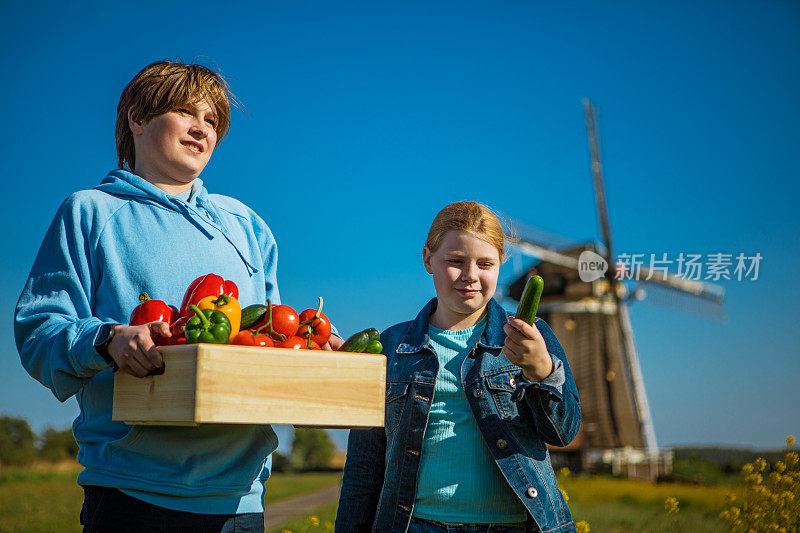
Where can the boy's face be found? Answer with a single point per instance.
(173, 149)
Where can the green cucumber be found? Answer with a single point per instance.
(529, 303)
(367, 341)
(357, 343)
(374, 346)
(252, 315)
(374, 334)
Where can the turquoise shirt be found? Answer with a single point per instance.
(458, 479)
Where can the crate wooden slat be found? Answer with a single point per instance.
(208, 383)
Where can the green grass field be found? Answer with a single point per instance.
(43, 500)
(608, 505)
(623, 505)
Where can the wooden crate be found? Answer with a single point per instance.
(212, 383)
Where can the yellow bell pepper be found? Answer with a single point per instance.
(229, 306)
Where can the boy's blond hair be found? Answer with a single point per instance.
(469, 216)
(164, 86)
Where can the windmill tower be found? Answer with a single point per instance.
(587, 309)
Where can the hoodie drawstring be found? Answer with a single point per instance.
(124, 183)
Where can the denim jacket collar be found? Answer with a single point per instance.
(416, 338)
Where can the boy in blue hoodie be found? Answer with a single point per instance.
(153, 228)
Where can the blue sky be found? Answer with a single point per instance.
(365, 118)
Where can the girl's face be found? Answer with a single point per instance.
(465, 269)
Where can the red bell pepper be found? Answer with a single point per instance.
(150, 311)
(176, 328)
(208, 285)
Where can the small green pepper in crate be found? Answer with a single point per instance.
(207, 325)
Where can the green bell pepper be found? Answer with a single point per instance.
(207, 325)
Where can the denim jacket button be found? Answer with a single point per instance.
(502, 444)
(512, 382)
(532, 492)
(478, 393)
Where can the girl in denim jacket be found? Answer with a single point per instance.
(472, 398)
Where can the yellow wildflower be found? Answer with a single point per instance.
(791, 459)
(564, 472)
(564, 493)
(582, 526)
(790, 441)
(328, 525)
(313, 520)
(760, 464)
(671, 505)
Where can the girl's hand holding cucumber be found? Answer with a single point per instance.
(525, 346)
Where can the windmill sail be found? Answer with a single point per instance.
(591, 320)
(632, 372)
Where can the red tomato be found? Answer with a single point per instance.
(248, 338)
(315, 325)
(318, 328)
(284, 322)
(296, 343)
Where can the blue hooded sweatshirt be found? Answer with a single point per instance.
(105, 247)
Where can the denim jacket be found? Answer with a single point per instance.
(515, 416)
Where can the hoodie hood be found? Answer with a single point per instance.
(199, 208)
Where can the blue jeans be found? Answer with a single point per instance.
(110, 510)
(419, 525)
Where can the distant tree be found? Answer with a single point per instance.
(16, 441)
(280, 462)
(312, 448)
(56, 445)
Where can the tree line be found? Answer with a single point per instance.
(19, 445)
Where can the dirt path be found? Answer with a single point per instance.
(280, 512)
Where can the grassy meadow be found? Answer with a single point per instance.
(46, 498)
(607, 504)
(622, 505)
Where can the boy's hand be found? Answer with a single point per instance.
(526, 348)
(334, 343)
(133, 349)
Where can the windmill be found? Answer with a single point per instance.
(585, 301)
